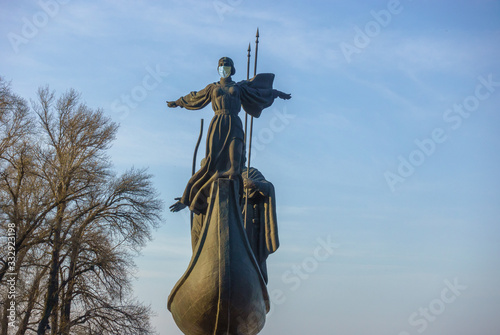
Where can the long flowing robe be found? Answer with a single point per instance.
(261, 220)
(227, 99)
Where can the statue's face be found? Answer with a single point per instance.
(225, 67)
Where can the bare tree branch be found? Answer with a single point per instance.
(78, 225)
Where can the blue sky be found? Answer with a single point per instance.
(388, 152)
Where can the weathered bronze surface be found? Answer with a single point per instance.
(225, 135)
(223, 291)
(261, 225)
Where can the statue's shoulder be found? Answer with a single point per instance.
(210, 87)
(261, 80)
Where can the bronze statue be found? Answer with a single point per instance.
(225, 135)
(223, 290)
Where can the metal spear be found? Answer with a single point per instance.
(248, 77)
(251, 123)
(251, 119)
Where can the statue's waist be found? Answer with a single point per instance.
(225, 111)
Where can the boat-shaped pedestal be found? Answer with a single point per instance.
(222, 291)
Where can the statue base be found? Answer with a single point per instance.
(223, 290)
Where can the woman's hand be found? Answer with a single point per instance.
(178, 206)
(171, 104)
(282, 95)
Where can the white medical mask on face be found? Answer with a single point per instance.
(224, 71)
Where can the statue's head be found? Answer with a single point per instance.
(223, 67)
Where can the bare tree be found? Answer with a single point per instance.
(17, 186)
(14, 117)
(78, 225)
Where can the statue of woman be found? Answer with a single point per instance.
(225, 135)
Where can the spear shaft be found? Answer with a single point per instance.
(256, 52)
(251, 124)
(248, 61)
(251, 119)
(248, 77)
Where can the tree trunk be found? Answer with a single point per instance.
(4, 323)
(52, 298)
(68, 295)
(33, 296)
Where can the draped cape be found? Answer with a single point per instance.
(268, 240)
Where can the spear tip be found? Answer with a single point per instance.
(257, 35)
(249, 47)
